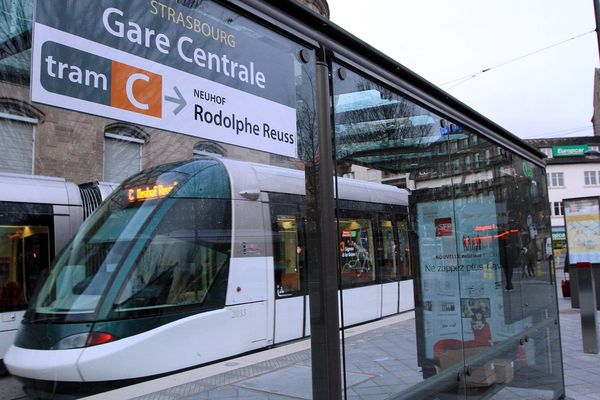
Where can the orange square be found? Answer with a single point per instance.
(136, 90)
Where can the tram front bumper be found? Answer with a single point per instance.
(45, 365)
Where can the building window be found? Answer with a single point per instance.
(122, 151)
(556, 179)
(590, 178)
(557, 208)
(467, 162)
(547, 151)
(477, 159)
(18, 122)
(208, 147)
(455, 165)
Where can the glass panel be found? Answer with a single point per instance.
(384, 137)
(478, 237)
(542, 357)
(503, 224)
(15, 32)
(158, 260)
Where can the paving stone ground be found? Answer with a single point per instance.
(380, 362)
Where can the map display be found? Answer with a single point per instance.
(582, 223)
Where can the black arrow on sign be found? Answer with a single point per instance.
(179, 100)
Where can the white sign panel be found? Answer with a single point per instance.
(198, 92)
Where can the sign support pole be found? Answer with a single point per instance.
(587, 304)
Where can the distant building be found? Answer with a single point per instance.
(573, 170)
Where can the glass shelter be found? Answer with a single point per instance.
(279, 181)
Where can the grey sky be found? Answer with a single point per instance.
(547, 94)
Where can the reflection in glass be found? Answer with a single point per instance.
(356, 251)
(478, 238)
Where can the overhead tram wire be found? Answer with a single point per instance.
(465, 78)
(561, 133)
(564, 133)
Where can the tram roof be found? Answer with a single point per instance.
(21, 188)
(253, 177)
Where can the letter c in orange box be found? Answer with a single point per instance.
(135, 89)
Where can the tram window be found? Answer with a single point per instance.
(389, 267)
(183, 260)
(287, 255)
(356, 252)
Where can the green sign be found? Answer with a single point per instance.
(559, 236)
(569, 151)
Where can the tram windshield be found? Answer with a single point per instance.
(141, 239)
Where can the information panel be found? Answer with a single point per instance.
(582, 223)
(461, 275)
(195, 71)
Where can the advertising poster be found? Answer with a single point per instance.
(461, 275)
(167, 66)
(582, 223)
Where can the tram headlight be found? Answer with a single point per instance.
(83, 340)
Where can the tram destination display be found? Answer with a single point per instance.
(199, 72)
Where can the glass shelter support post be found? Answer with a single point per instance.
(323, 283)
(587, 304)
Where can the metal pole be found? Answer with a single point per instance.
(322, 246)
(587, 306)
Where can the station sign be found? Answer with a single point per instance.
(158, 63)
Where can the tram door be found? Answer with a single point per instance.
(289, 261)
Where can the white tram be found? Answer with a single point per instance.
(38, 216)
(196, 261)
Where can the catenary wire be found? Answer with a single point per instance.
(465, 78)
